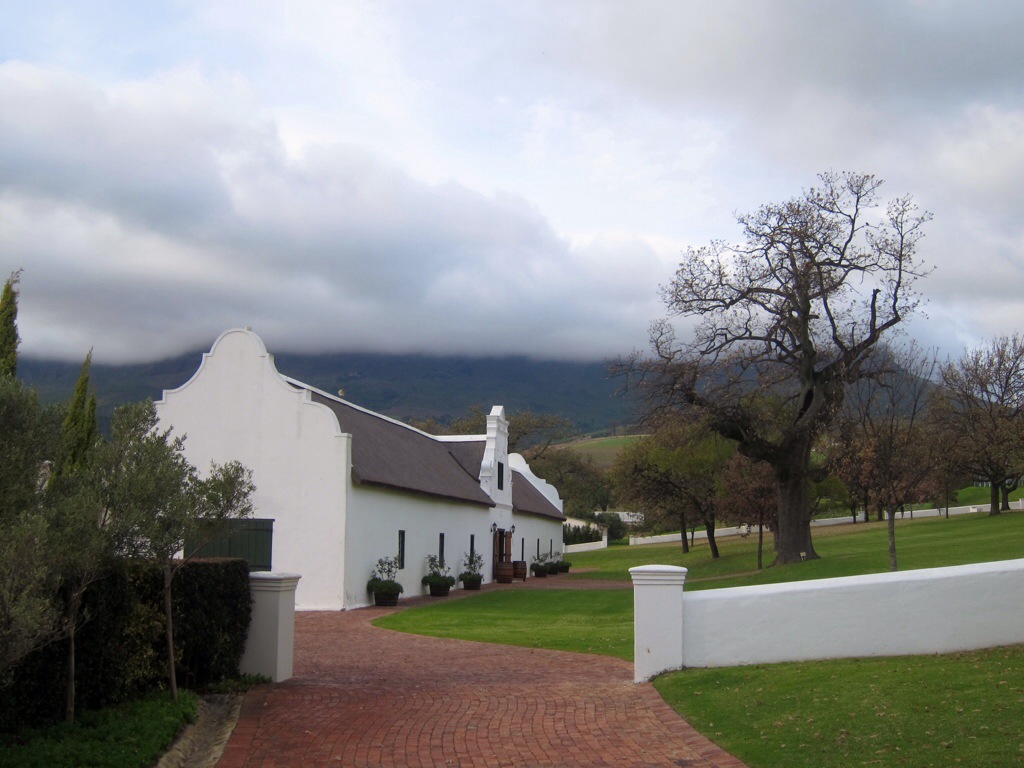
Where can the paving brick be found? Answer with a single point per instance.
(371, 698)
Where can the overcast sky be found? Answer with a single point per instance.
(477, 177)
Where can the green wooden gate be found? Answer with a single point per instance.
(250, 539)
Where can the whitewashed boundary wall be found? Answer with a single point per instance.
(933, 610)
(701, 534)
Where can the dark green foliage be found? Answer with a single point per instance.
(616, 528)
(580, 534)
(79, 430)
(130, 736)
(213, 609)
(120, 642)
(9, 327)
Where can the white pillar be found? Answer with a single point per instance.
(270, 645)
(657, 619)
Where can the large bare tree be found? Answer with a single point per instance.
(981, 410)
(785, 320)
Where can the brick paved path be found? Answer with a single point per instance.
(364, 696)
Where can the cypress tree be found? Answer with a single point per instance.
(9, 326)
(78, 432)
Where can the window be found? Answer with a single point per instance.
(501, 476)
(522, 549)
(472, 544)
(551, 547)
(401, 550)
(440, 547)
(538, 547)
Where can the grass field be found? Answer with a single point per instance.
(958, 710)
(602, 450)
(962, 709)
(844, 551)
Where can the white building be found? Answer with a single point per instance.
(346, 486)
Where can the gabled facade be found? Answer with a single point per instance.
(346, 486)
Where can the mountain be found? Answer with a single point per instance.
(401, 386)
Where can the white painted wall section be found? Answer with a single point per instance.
(935, 610)
(238, 407)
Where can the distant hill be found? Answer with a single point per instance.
(401, 386)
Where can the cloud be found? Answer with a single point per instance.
(152, 214)
(502, 177)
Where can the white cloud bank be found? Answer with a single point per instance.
(477, 178)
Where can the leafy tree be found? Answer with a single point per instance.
(648, 486)
(785, 321)
(157, 502)
(675, 469)
(583, 487)
(86, 546)
(980, 413)
(79, 429)
(29, 577)
(748, 495)
(9, 326)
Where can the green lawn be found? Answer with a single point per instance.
(962, 709)
(958, 710)
(585, 621)
(844, 551)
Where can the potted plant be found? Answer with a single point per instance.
(438, 577)
(471, 577)
(382, 582)
(564, 566)
(539, 567)
(553, 566)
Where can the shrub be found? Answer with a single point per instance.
(120, 642)
(580, 534)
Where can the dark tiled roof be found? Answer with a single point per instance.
(528, 500)
(389, 454)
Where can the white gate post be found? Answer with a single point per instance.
(270, 646)
(657, 619)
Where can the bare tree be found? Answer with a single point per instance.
(888, 415)
(981, 413)
(785, 321)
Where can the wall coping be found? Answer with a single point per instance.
(651, 575)
(269, 581)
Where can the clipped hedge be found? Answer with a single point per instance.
(120, 646)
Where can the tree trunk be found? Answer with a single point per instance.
(993, 497)
(172, 677)
(760, 536)
(69, 701)
(794, 534)
(709, 526)
(892, 538)
(1004, 494)
(682, 529)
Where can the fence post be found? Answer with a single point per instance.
(657, 619)
(270, 646)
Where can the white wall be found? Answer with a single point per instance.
(376, 516)
(532, 528)
(237, 407)
(936, 610)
